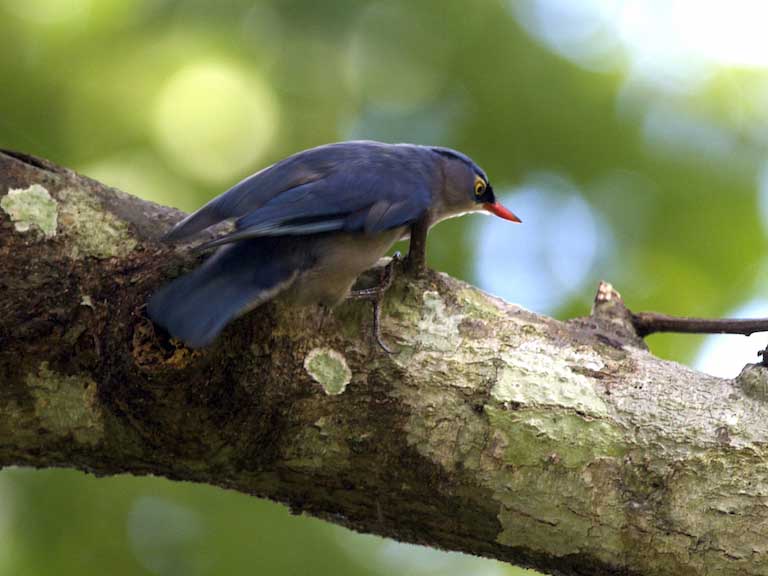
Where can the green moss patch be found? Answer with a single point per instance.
(95, 231)
(66, 405)
(328, 368)
(571, 440)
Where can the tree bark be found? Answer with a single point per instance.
(565, 447)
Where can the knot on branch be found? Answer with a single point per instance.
(152, 350)
(610, 320)
(753, 380)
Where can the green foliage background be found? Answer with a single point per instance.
(175, 101)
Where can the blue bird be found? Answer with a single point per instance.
(309, 225)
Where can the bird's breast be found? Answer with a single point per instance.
(338, 261)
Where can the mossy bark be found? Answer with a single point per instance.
(566, 447)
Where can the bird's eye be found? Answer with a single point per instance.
(479, 186)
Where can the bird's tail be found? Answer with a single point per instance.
(195, 308)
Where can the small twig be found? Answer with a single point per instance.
(610, 306)
(650, 323)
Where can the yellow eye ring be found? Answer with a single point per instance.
(479, 187)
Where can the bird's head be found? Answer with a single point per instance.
(467, 188)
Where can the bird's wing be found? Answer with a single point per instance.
(287, 180)
(367, 197)
(247, 195)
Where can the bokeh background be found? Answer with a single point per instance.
(630, 136)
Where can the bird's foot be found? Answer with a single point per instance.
(375, 295)
(415, 266)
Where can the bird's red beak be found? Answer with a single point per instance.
(501, 212)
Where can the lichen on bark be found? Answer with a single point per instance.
(66, 405)
(95, 232)
(328, 368)
(31, 208)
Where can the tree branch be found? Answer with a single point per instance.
(647, 323)
(561, 446)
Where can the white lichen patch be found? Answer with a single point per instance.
(31, 208)
(438, 329)
(95, 231)
(67, 405)
(328, 368)
(538, 373)
(754, 381)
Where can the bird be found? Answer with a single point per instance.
(307, 226)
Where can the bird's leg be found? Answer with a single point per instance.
(325, 312)
(375, 295)
(416, 263)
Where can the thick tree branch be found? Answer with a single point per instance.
(562, 446)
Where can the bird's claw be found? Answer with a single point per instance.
(375, 296)
(377, 327)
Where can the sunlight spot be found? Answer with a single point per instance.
(576, 30)
(672, 46)
(724, 33)
(214, 120)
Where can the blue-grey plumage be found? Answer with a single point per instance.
(308, 226)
